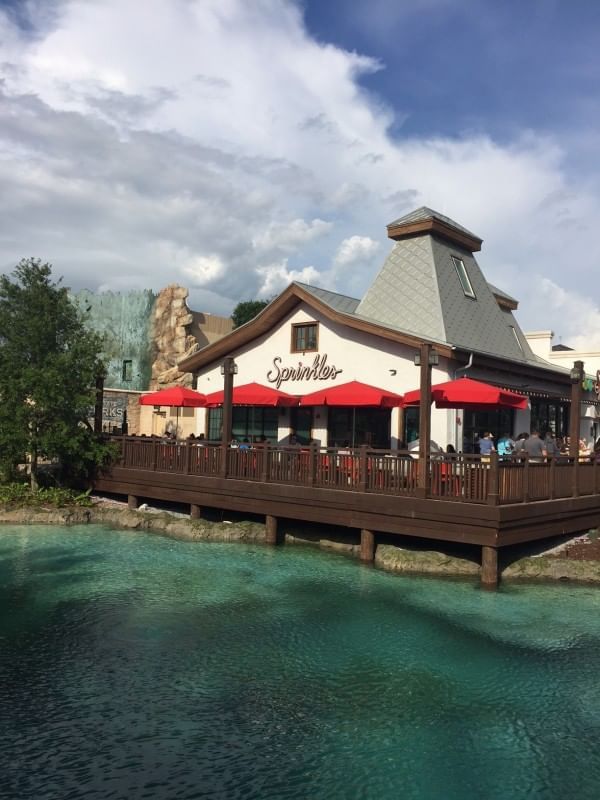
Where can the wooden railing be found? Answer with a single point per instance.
(459, 478)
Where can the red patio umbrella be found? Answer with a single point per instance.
(352, 394)
(174, 397)
(468, 393)
(253, 394)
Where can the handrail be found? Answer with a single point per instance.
(456, 477)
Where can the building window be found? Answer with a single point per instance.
(463, 277)
(127, 371)
(305, 337)
(248, 422)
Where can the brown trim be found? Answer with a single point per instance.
(505, 303)
(275, 311)
(471, 243)
(295, 326)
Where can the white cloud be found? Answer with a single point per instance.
(355, 249)
(572, 315)
(215, 142)
(289, 237)
(275, 277)
(203, 270)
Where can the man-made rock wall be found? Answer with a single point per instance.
(171, 319)
(388, 557)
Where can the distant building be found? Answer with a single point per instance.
(145, 335)
(563, 356)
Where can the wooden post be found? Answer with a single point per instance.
(493, 497)
(188, 453)
(363, 468)
(99, 404)
(228, 370)
(154, 453)
(424, 422)
(264, 475)
(577, 376)
(575, 492)
(270, 529)
(489, 567)
(312, 466)
(367, 546)
(132, 502)
(526, 480)
(195, 511)
(552, 478)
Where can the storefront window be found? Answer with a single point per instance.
(248, 422)
(358, 426)
(550, 415)
(301, 421)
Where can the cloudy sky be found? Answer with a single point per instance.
(235, 145)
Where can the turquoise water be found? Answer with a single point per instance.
(133, 666)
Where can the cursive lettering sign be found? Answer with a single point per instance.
(319, 370)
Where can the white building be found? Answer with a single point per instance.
(430, 289)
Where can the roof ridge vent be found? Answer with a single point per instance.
(425, 220)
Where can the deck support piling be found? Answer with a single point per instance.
(489, 567)
(195, 511)
(367, 546)
(132, 502)
(271, 529)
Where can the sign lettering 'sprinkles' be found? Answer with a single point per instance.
(319, 370)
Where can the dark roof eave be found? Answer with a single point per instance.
(490, 358)
(289, 298)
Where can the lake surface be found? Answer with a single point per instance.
(133, 666)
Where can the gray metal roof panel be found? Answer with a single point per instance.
(404, 295)
(480, 323)
(339, 302)
(500, 293)
(424, 213)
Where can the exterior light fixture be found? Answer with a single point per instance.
(229, 367)
(434, 358)
(576, 373)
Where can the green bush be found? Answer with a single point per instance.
(19, 495)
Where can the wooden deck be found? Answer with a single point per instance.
(488, 503)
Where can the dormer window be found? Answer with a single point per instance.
(463, 277)
(305, 337)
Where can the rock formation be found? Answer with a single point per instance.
(171, 337)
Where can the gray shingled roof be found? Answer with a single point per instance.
(418, 291)
(339, 302)
(500, 293)
(425, 213)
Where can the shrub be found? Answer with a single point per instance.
(19, 495)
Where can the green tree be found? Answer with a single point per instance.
(247, 310)
(48, 367)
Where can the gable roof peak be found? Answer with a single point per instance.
(425, 220)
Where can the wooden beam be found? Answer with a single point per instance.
(132, 502)
(195, 511)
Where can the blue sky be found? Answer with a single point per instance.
(474, 65)
(234, 146)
